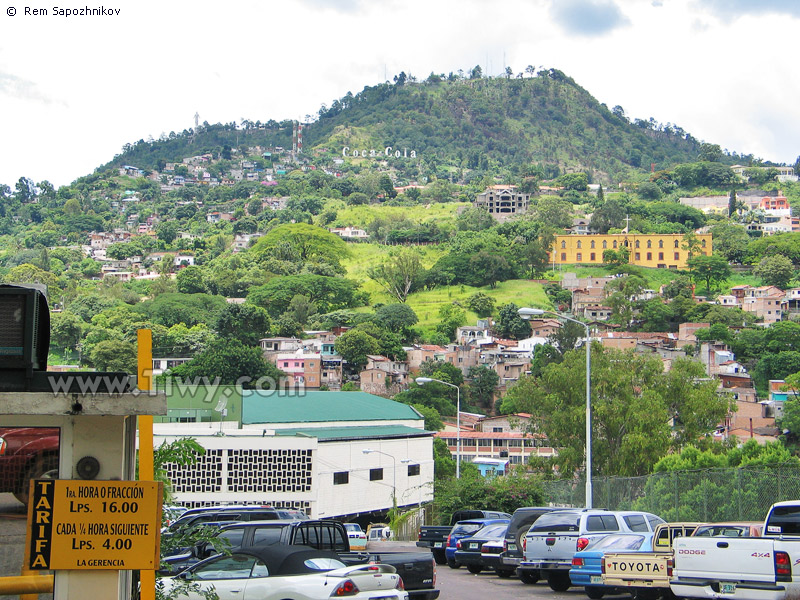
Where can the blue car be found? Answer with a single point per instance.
(587, 564)
(464, 529)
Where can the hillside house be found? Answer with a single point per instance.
(503, 202)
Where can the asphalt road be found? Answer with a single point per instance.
(460, 584)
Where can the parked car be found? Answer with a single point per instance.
(227, 514)
(511, 557)
(464, 529)
(587, 565)
(468, 549)
(646, 574)
(279, 572)
(764, 567)
(732, 529)
(555, 537)
(417, 568)
(27, 453)
(492, 558)
(435, 536)
(358, 539)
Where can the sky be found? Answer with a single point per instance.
(74, 89)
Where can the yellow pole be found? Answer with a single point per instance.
(144, 378)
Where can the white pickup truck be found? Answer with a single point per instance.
(745, 568)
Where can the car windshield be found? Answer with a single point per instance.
(618, 542)
(465, 528)
(353, 527)
(723, 531)
(324, 564)
(492, 532)
(556, 521)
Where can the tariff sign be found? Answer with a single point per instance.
(94, 524)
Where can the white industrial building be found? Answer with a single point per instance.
(306, 451)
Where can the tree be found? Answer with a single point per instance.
(535, 257)
(481, 304)
(233, 363)
(190, 280)
(482, 386)
(730, 241)
(510, 324)
(711, 269)
(244, 322)
(451, 317)
(630, 421)
(354, 346)
(66, 329)
(114, 355)
(399, 275)
(396, 317)
(775, 270)
(311, 243)
(488, 268)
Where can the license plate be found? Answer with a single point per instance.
(512, 547)
(473, 545)
(595, 579)
(437, 544)
(727, 588)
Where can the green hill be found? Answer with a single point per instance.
(459, 128)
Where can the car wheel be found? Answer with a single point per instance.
(558, 582)
(451, 562)
(504, 573)
(474, 569)
(528, 578)
(44, 467)
(594, 592)
(439, 557)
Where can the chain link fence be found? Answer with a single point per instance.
(734, 494)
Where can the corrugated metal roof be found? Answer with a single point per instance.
(330, 434)
(264, 407)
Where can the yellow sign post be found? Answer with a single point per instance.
(94, 524)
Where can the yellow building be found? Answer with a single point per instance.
(646, 250)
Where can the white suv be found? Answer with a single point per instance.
(554, 537)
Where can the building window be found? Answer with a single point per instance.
(660, 243)
(637, 256)
(649, 243)
(563, 244)
(677, 256)
(579, 244)
(649, 256)
(676, 244)
(413, 470)
(660, 256)
(591, 244)
(563, 257)
(703, 243)
(341, 478)
(605, 244)
(592, 256)
(615, 244)
(375, 474)
(484, 443)
(636, 243)
(579, 257)
(497, 430)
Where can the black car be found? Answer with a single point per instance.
(468, 550)
(521, 521)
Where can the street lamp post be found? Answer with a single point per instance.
(423, 381)
(394, 472)
(527, 313)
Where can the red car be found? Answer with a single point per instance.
(27, 453)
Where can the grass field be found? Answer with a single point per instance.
(363, 215)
